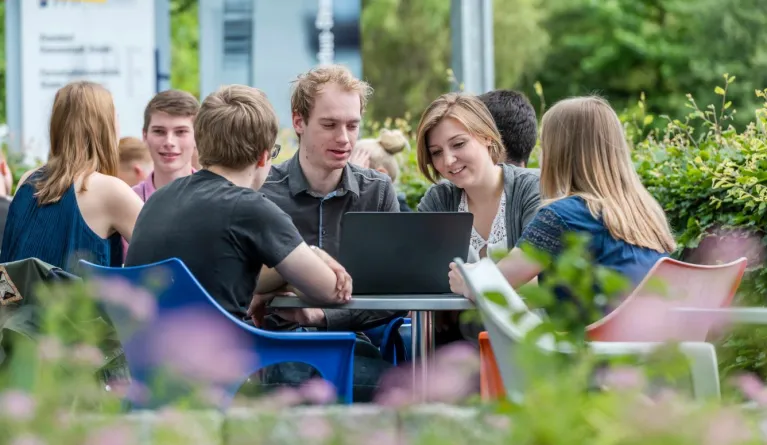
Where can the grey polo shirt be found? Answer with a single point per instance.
(318, 219)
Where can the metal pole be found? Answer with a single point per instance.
(13, 74)
(471, 23)
(162, 44)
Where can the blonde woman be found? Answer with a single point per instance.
(379, 154)
(458, 141)
(589, 186)
(74, 206)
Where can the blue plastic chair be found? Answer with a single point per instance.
(406, 332)
(331, 354)
(388, 341)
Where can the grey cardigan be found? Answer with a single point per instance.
(523, 198)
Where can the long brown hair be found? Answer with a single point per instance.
(83, 139)
(585, 153)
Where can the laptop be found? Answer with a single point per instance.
(403, 253)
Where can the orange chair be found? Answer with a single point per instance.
(490, 383)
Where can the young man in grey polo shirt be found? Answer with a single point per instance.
(316, 187)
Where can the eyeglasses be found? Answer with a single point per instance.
(276, 151)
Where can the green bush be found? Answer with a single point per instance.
(710, 179)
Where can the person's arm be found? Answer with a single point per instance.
(544, 233)
(311, 276)
(268, 234)
(357, 320)
(123, 206)
(269, 280)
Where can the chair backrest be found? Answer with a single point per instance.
(173, 287)
(646, 316)
(506, 325)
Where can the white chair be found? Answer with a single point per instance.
(507, 327)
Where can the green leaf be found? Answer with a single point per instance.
(648, 120)
(719, 90)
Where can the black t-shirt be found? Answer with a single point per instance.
(223, 233)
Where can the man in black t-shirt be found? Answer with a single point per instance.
(219, 226)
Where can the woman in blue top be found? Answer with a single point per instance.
(74, 207)
(588, 185)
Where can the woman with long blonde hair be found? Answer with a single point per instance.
(74, 206)
(589, 185)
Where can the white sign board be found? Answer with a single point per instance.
(111, 42)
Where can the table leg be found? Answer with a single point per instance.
(423, 348)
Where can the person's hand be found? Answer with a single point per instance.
(343, 279)
(307, 317)
(360, 156)
(457, 284)
(257, 308)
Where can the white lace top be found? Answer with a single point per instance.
(497, 238)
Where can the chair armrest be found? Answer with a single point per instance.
(701, 356)
(736, 315)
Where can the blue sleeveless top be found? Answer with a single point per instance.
(54, 233)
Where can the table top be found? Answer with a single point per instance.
(405, 302)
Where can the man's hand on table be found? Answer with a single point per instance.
(343, 279)
(257, 309)
(307, 317)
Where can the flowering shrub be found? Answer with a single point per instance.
(50, 385)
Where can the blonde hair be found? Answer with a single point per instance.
(83, 139)
(383, 149)
(133, 149)
(585, 154)
(308, 85)
(471, 113)
(234, 127)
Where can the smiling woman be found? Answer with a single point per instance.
(458, 140)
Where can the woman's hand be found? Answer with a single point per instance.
(457, 284)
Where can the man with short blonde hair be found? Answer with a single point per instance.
(219, 226)
(316, 187)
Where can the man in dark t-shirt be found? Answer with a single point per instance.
(227, 234)
(219, 225)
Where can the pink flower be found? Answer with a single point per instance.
(385, 437)
(753, 388)
(727, 427)
(318, 391)
(501, 423)
(50, 349)
(118, 291)
(113, 435)
(315, 428)
(89, 355)
(623, 378)
(203, 346)
(27, 439)
(17, 405)
(280, 398)
(451, 378)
